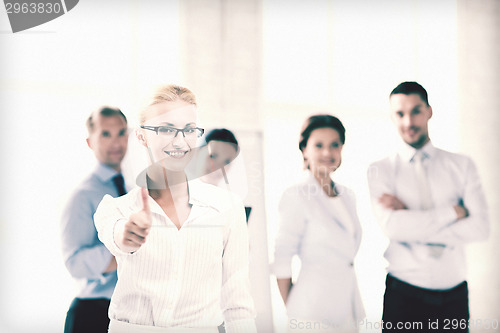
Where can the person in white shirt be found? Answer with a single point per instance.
(319, 224)
(181, 245)
(430, 203)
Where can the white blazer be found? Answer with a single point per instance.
(326, 289)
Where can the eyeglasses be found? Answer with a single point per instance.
(188, 132)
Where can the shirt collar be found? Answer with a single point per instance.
(200, 195)
(407, 152)
(104, 172)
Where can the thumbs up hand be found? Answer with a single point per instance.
(131, 234)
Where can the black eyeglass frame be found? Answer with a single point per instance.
(155, 129)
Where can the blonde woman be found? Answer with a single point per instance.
(181, 245)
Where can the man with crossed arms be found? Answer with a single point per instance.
(430, 203)
(86, 258)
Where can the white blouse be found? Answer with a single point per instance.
(192, 277)
(326, 237)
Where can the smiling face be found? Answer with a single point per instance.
(173, 150)
(109, 140)
(323, 151)
(411, 115)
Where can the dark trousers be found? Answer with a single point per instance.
(87, 316)
(412, 309)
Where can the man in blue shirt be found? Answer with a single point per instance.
(86, 258)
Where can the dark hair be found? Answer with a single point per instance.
(221, 134)
(410, 87)
(320, 121)
(105, 111)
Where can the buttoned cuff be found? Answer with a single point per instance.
(241, 326)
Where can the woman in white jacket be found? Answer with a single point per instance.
(319, 224)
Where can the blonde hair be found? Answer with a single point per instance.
(167, 93)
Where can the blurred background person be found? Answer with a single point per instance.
(181, 244)
(86, 258)
(430, 204)
(222, 150)
(319, 224)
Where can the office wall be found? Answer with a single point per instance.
(479, 120)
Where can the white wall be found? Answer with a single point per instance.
(479, 120)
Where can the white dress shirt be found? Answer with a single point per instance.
(415, 233)
(192, 277)
(326, 242)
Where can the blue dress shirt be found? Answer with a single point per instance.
(84, 255)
